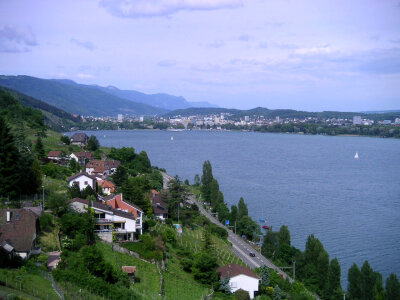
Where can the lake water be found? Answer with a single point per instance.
(313, 184)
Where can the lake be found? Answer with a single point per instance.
(313, 184)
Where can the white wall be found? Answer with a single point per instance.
(245, 283)
(81, 181)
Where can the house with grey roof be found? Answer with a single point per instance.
(80, 139)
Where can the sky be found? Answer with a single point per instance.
(299, 54)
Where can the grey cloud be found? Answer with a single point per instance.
(385, 61)
(16, 39)
(216, 44)
(286, 46)
(245, 38)
(87, 45)
(156, 8)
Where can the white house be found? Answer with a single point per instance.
(108, 220)
(82, 157)
(83, 180)
(240, 278)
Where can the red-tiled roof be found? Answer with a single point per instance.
(129, 269)
(105, 207)
(84, 155)
(20, 231)
(107, 184)
(54, 154)
(233, 270)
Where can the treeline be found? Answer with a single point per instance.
(322, 275)
(316, 128)
(238, 216)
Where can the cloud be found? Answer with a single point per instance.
(166, 63)
(87, 45)
(16, 39)
(216, 44)
(285, 46)
(263, 45)
(155, 8)
(85, 76)
(245, 38)
(381, 62)
(318, 50)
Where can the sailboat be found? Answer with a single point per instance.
(172, 138)
(356, 156)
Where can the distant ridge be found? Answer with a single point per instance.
(76, 98)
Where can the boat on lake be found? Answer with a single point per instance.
(262, 220)
(356, 156)
(265, 227)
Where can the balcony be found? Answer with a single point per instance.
(104, 221)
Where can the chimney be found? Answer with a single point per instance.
(8, 216)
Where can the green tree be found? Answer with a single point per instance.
(368, 279)
(284, 235)
(277, 293)
(36, 178)
(354, 279)
(65, 139)
(246, 226)
(135, 189)
(196, 180)
(270, 244)
(224, 285)
(206, 180)
(242, 209)
(214, 190)
(234, 215)
(334, 286)
(120, 176)
(39, 149)
(204, 268)
(74, 191)
(265, 276)
(9, 167)
(74, 166)
(242, 295)
(392, 287)
(93, 143)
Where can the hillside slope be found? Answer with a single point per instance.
(76, 98)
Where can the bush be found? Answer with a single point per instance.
(242, 295)
(187, 264)
(46, 222)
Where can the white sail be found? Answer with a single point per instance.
(356, 156)
(172, 138)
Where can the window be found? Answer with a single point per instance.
(234, 284)
(86, 183)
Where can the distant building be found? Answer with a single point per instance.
(82, 157)
(357, 120)
(387, 122)
(277, 119)
(397, 121)
(160, 208)
(79, 139)
(141, 119)
(83, 180)
(120, 117)
(246, 118)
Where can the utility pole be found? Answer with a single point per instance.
(178, 212)
(43, 198)
(294, 271)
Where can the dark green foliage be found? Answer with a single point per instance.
(242, 209)
(218, 231)
(233, 215)
(65, 139)
(120, 176)
(134, 163)
(392, 287)
(206, 180)
(284, 235)
(248, 227)
(93, 143)
(135, 190)
(265, 276)
(242, 295)
(74, 166)
(74, 191)
(204, 268)
(197, 180)
(56, 171)
(73, 223)
(148, 247)
(177, 196)
(270, 244)
(355, 280)
(187, 264)
(277, 293)
(39, 149)
(156, 180)
(87, 192)
(368, 280)
(9, 157)
(46, 222)
(334, 289)
(10, 262)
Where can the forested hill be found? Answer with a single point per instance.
(20, 108)
(76, 98)
(282, 113)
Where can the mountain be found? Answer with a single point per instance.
(22, 108)
(165, 101)
(77, 98)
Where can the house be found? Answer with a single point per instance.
(108, 220)
(107, 187)
(240, 278)
(54, 155)
(83, 179)
(117, 202)
(102, 168)
(160, 208)
(18, 232)
(82, 157)
(130, 270)
(79, 138)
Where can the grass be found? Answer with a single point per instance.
(32, 284)
(149, 284)
(9, 293)
(72, 292)
(49, 240)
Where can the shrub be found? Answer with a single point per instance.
(46, 222)
(242, 295)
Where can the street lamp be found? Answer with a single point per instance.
(43, 198)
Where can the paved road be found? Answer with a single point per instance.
(241, 248)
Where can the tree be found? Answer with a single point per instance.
(355, 281)
(65, 139)
(196, 180)
(270, 244)
(39, 149)
(74, 166)
(246, 226)
(234, 214)
(368, 279)
(9, 157)
(206, 180)
(214, 191)
(204, 268)
(120, 176)
(242, 209)
(93, 143)
(284, 235)
(36, 180)
(75, 191)
(242, 295)
(334, 289)
(277, 293)
(392, 287)
(135, 189)
(224, 285)
(265, 276)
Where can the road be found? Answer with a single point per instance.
(240, 247)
